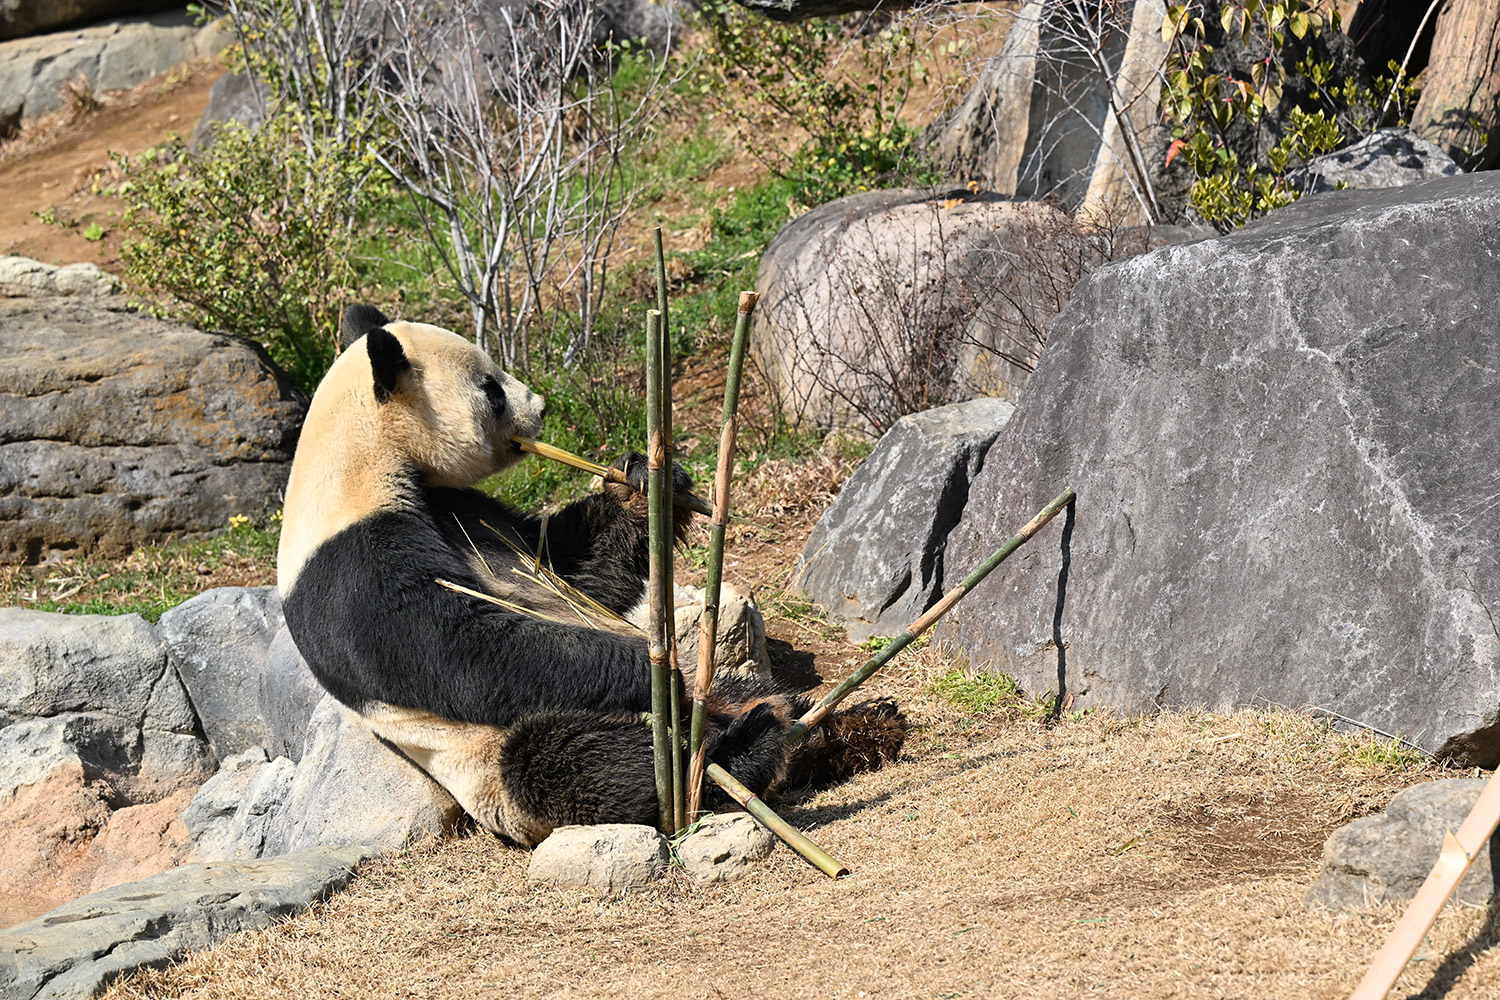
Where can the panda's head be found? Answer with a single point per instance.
(440, 404)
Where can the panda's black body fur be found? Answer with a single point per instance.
(530, 722)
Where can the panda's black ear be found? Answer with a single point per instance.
(387, 361)
(357, 321)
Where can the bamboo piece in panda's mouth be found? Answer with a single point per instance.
(609, 474)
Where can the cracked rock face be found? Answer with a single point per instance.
(875, 559)
(117, 428)
(1283, 443)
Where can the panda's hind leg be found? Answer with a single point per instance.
(862, 738)
(563, 768)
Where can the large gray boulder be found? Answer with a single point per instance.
(1283, 444)
(352, 788)
(117, 428)
(1386, 858)
(876, 558)
(114, 55)
(220, 643)
(890, 302)
(19, 18)
(74, 951)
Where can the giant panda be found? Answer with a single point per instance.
(530, 723)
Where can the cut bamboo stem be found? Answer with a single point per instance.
(669, 614)
(1457, 856)
(709, 626)
(797, 730)
(659, 526)
(610, 475)
(790, 835)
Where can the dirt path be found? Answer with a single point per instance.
(55, 167)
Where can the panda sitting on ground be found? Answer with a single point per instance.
(530, 723)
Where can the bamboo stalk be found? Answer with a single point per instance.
(789, 834)
(1457, 856)
(709, 627)
(609, 474)
(664, 356)
(658, 584)
(820, 711)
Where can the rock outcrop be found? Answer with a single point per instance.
(891, 302)
(1391, 157)
(117, 428)
(1282, 442)
(76, 950)
(875, 559)
(114, 55)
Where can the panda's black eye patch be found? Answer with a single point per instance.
(494, 395)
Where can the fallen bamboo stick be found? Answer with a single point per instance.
(1457, 856)
(709, 627)
(820, 711)
(607, 473)
(790, 835)
(659, 526)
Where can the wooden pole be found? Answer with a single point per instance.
(820, 711)
(1457, 856)
(709, 627)
(789, 834)
(658, 582)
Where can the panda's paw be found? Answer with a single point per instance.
(638, 473)
(753, 747)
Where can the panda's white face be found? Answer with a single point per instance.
(454, 413)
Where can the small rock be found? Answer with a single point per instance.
(1390, 157)
(739, 635)
(725, 847)
(1386, 858)
(22, 277)
(610, 859)
(78, 948)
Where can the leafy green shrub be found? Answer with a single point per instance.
(1226, 124)
(251, 237)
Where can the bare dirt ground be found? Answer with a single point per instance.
(54, 162)
(1003, 856)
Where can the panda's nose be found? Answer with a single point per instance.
(541, 408)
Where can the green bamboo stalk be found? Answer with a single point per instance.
(709, 628)
(659, 526)
(675, 730)
(789, 834)
(820, 711)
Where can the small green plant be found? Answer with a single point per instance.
(94, 232)
(1383, 754)
(1225, 124)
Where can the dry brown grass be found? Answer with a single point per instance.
(1149, 857)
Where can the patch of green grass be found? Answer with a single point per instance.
(1381, 754)
(978, 693)
(153, 579)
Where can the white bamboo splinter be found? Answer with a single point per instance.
(1458, 854)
